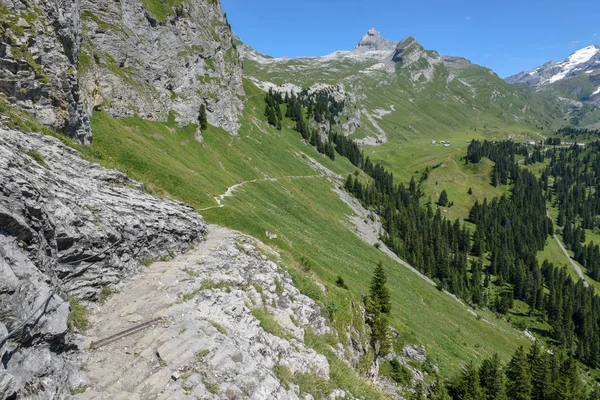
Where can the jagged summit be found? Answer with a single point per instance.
(372, 41)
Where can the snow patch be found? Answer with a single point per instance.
(573, 61)
(597, 91)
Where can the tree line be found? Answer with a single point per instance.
(296, 108)
(535, 374)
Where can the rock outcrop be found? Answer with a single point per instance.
(68, 229)
(150, 61)
(233, 326)
(39, 52)
(60, 60)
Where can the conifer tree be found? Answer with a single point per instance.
(518, 377)
(202, 119)
(491, 379)
(377, 307)
(540, 372)
(467, 386)
(443, 200)
(379, 292)
(476, 290)
(595, 393)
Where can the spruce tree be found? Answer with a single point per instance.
(202, 119)
(443, 200)
(476, 289)
(491, 379)
(467, 386)
(540, 372)
(379, 292)
(377, 307)
(595, 393)
(518, 384)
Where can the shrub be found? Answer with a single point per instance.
(340, 282)
(78, 315)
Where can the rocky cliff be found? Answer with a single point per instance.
(68, 230)
(147, 58)
(60, 60)
(39, 52)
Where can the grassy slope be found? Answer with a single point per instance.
(306, 214)
(472, 103)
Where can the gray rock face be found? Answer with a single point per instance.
(67, 227)
(372, 41)
(60, 60)
(135, 63)
(39, 50)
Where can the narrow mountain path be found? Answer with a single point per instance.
(206, 342)
(229, 192)
(573, 263)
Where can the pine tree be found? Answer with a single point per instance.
(540, 372)
(377, 307)
(467, 386)
(518, 377)
(379, 292)
(202, 119)
(490, 376)
(443, 200)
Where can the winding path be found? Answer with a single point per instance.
(232, 188)
(573, 263)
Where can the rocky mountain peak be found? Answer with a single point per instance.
(585, 61)
(372, 41)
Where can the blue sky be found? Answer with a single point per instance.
(508, 36)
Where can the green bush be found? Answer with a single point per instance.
(396, 372)
(78, 315)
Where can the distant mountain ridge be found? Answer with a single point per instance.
(583, 61)
(576, 78)
(442, 94)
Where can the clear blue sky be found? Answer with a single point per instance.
(506, 35)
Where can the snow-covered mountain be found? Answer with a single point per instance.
(585, 61)
(575, 79)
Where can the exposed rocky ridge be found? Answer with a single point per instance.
(60, 60)
(68, 227)
(416, 60)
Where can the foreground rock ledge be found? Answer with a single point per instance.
(71, 228)
(209, 343)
